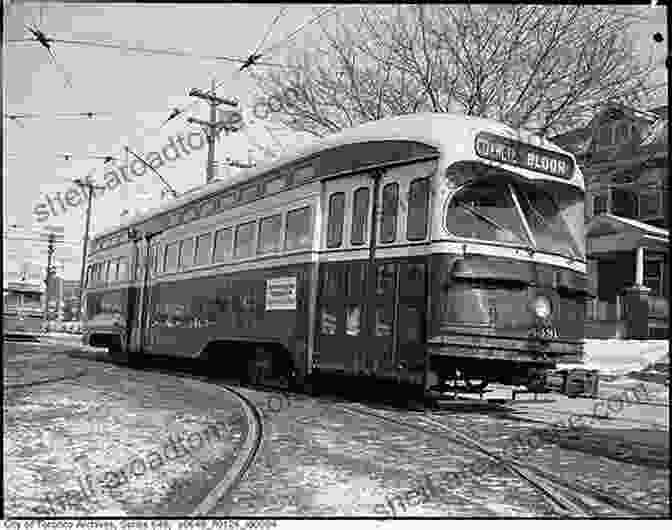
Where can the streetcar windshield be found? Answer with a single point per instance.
(486, 211)
(549, 223)
(494, 209)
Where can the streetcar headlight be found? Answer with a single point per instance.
(542, 307)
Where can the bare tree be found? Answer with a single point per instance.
(543, 68)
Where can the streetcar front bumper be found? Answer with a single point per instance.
(501, 348)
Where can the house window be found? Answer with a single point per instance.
(360, 214)
(653, 275)
(649, 203)
(335, 223)
(600, 204)
(624, 203)
(388, 226)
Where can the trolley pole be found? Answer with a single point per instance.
(210, 127)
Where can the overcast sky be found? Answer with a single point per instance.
(139, 91)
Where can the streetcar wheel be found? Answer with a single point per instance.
(116, 353)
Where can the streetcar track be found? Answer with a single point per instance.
(568, 499)
(247, 452)
(237, 470)
(571, 498)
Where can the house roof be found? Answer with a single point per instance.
(607, 233)
(654, 139)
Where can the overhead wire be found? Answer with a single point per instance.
(150, 51)
(289, 37)
(176, 111)
(270, 28)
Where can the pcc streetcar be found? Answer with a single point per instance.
(432, 250)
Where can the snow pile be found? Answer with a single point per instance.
(620, 357)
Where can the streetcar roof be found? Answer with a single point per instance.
(434, 129)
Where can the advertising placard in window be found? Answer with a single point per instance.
(281, 293)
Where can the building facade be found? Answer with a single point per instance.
(624, 155)
(22, 307)
(63, 299)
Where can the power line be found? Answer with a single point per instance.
(296, 31)
(37, 240)
(89, 115)
(46, 43)
(268, 31)
(149, 51)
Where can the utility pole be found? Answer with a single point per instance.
(211, 127)
(82, 275)
(50, 253)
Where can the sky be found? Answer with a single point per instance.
(138, 91)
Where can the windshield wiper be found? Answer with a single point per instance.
(494, 223)
(570, 247)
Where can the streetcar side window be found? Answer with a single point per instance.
(113, 273)
(122, 270)
(297, 230)
(335, 223)
(269, 234)
(203, 248)
(108, 271)
(244, 247)
(360, 215)
(418, 199)
(170, 258)
(223, 244)
(186, 255)
(156, 258)
(137, 273)
(388, 225)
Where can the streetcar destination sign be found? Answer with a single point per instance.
(523, 155)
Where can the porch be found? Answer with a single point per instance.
(628, 267)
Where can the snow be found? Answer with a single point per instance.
(620, 357)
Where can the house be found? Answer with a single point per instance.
(623, 153)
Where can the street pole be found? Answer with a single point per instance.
(85, 245)
(50, 253)
(211, 126)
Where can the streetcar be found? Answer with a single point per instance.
(433, 251)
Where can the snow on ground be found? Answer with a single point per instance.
(619, 357)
